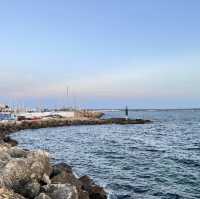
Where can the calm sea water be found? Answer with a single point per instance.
(151, 161)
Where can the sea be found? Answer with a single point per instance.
(159, 160)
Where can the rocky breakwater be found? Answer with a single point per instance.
(30, 174)
(14, 126)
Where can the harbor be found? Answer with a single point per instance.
(12, 122)
(49, 181)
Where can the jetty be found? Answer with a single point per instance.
(28, 174)
(87, 118)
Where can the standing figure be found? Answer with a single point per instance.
(126, 112)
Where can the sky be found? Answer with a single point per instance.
(107, 53)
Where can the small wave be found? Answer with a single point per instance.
(132, 148)
(171, 196)
(125, 196)
(167, 195)
(193, 148)
(145, 176)
(140, 189)
(114, 157)
(188, 162)
(155, 150)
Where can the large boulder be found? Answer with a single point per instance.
(61, 191)
(16, 152)
(4, 158)
(24, 171)
(95, 191)
(39, 162)
(9, 194)
(10, 141)
(28, 189)
(29, 174)
(62, 174)
(42, 196)
(7, 153)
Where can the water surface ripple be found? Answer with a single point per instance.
(151, 161)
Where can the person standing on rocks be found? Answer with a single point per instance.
(126, 113)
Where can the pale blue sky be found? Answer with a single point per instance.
(144, 53)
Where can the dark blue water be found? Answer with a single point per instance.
(158, 160)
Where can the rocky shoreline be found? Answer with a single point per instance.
(30, 174)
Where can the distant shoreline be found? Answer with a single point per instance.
(148, 109)
(9, 127)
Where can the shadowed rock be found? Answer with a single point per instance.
(95, 191)
(16, 152)
(9, 194)
(62, 173)
(27, 188)
(128, 121)
(61, 191)
(10, 141)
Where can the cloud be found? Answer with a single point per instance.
(138, 80)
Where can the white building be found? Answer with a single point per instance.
(4, 108)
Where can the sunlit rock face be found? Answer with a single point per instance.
(9, 194)
(20, 165)
(23, 171)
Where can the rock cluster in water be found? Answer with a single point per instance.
(29, 174)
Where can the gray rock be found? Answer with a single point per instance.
(4, 156)
(16, 152)
(29, 174)
(9, 194)
(43, 196)
(95, 191)
(61, 191)
(62, 174)
(28, 190)
(83, 194)
(22, 170)
(46, 179)
(40, 163)
(10, 141)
